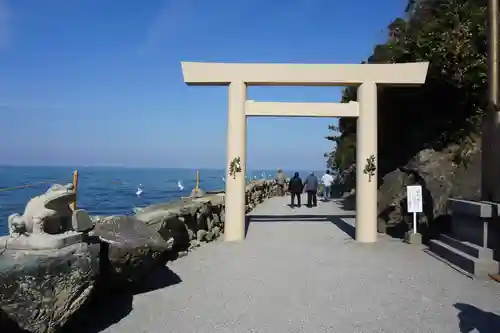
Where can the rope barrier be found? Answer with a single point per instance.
(24, 186)
(75, 184)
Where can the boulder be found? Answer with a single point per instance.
(185, 221)
(132, 250)
(440, 177)
(169, 224)
(41, 290)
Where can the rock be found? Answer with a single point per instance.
(194, 243)
(200, 235)
(216, 232)
(440, 177)
(134, 249)
(168, 224)
(41, 290)
(182, 254)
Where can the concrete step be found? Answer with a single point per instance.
(479, 268)
(468, 248)
(455, 267)
(458, 258)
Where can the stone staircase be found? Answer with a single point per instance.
(475, 235)
(468, 258)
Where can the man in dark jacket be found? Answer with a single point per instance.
(295, 188)
(311, 187)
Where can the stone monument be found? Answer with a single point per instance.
(48, 222)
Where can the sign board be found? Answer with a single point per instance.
(414, 195)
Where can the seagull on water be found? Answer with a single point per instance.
(139, 190)
(179, 185)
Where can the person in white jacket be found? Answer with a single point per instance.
(327, 181)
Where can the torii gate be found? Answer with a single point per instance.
(366, 76)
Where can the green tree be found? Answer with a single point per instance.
(451, 35)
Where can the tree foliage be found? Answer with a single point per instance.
(451, 35)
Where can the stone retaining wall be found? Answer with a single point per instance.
(194, 220)
(43, 291)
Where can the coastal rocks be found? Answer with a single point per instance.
(40, 290)
(131, 250)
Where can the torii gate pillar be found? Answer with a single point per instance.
(234, 225)
(365, 76)
(366, 147)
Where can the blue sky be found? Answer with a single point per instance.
(99, 82)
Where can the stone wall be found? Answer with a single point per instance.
(191, 221)
(46, 291)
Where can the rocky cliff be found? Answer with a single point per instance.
(427, 134)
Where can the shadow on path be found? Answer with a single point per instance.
(337, 220)
(474, 319)
(107, 308)
(347, 202)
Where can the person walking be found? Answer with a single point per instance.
(280, 181)
(311, 187)
(295, 187)
(327, 181)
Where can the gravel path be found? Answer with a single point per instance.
(298, 274)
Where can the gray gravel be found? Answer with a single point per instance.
(296, 275)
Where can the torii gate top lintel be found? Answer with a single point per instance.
(262, 74)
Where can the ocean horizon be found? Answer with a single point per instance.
(109, 190)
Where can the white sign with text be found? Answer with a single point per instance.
(414, 195)
(415, 202)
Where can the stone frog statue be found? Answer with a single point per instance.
(47, 213)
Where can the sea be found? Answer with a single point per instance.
(109, 190)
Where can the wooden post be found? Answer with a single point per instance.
(197, 181)
(75, 188)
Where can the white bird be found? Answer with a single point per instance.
(263, 175)
(179, 185)
(139, 190)
(223, 179)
